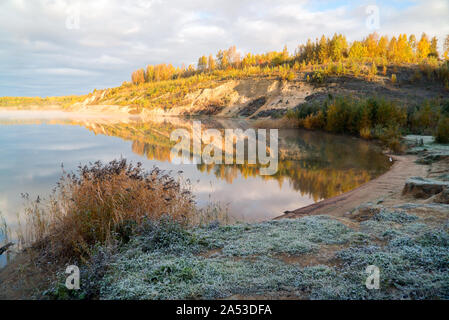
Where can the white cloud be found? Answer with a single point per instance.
(106, 59)
(65, 72)
(117, 36)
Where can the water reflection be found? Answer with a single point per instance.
(317, 165)
(312, 166)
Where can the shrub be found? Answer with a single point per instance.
(394, 78)
(315, 121)
(374, 118)
(365, 133)
(98, 203)
(416, 76)
(425, 118)
(291, 76)
(373, 70)
(442, 131)
(337, 116)
(390, 136)
(318, 77)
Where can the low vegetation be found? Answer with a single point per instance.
(167, 261)
(442, 131)
(98, 204)
(335, 54)
(165, 86)
(64, 101)
(374, 118)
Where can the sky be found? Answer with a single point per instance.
(64, 47)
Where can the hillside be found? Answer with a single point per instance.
(259, 96)
(377, 88)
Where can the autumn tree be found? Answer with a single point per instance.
(382, 47)
(149, 74)
(338, 47)
(211, 63)
(434, 48)
(222, 59)
(228, 58)
(285, 55)
(357, 50)
(138, 76)
(412, 42)
(446, 47)
(164, 72)
(369, 53)
(202, 63)
(404, 52)
(373, 70)
(371, 45)
(323, 51)
(248, 60)
(423, 47)
(233, 56)
(306, 52)
(392, 49)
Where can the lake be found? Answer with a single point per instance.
(312, 166)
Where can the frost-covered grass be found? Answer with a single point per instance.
(276, 237)
(167, 261)
(395, 216)
(158, 276)
(428, 150)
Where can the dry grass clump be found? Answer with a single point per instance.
(97, 203)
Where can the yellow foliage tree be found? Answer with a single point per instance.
(423, 47)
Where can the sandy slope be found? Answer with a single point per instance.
(387, 187)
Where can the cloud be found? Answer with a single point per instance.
(39, 55)
(65, 72)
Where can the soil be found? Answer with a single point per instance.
(23, 279)
(387, 189)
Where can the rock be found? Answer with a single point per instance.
(252, 107)
(424, 188)
(431, 158)
(444, 177)
(364, 212)
(442, 197)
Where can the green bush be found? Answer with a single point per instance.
(318, 77)
(374, 117)
(442, 132)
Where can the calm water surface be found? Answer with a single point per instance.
(312, 166)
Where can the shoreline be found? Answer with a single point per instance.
(389, 185)
(403, 168)
(303, 243)
(81, 112)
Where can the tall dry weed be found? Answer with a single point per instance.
(91, 206)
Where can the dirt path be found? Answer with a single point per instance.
(388, 186)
